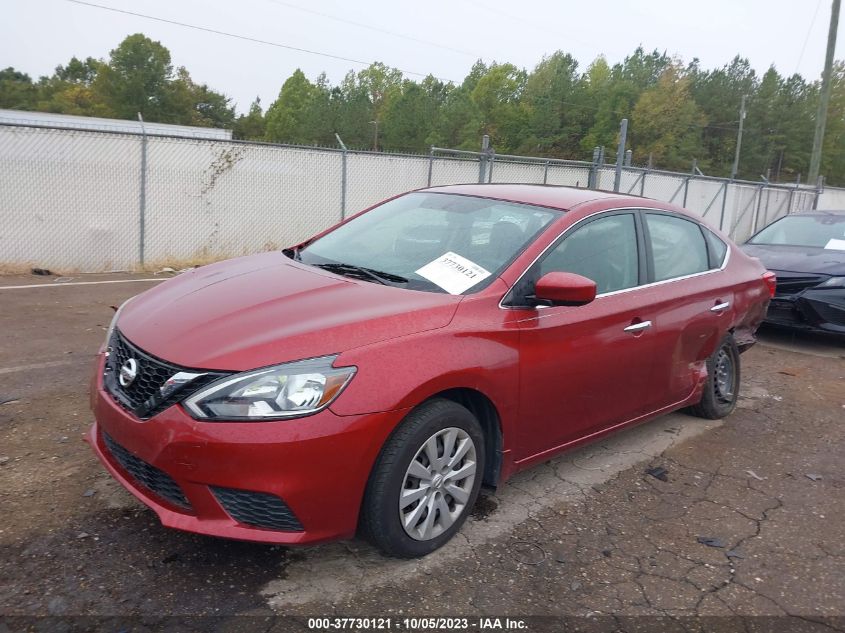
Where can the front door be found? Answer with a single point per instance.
(584, 368)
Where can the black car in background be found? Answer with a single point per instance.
(806, 251)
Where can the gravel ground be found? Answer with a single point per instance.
(750, 520)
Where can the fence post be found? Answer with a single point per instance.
(592, 177)
(546, 174)
(600, 164)
(343, 184)
(482, 158)
(620, 154)
(791, 195)
(724, 202)
(642, 183)
(142, 202)
(766, 207)
(492, 157)
(818, 192)
(757, 210)
(342, 176)
(430, 163)
(686, 182)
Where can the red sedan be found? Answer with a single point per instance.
(372, 378)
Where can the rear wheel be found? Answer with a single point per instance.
(425, 481)
(722, 388)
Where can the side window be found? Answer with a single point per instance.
(604, 250)
(677, 246)
(716, 246)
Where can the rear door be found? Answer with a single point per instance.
(586, 367)
(692, 299)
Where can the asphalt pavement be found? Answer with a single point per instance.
(675, 519)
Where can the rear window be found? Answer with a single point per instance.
(717, 248)
(677, 246)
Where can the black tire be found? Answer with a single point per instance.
(720, 393)
(380, 519)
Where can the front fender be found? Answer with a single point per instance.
(403, 372)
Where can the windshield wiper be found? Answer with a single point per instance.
(350, 270)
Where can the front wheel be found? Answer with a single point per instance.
(425, 481)
(722, 388)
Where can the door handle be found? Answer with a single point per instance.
(720, 307)
(637, 327)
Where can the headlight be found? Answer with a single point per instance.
(833, 282)
(272, 393)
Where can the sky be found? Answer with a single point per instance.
(441, 37)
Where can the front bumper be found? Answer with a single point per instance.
(317, 466)
(813, 309)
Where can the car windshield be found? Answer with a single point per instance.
(430, 241)
(815, 231)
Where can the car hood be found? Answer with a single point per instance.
(798, 259)
(267, 309)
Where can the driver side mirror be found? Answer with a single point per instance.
(564, 289)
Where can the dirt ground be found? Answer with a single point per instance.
(750, 521)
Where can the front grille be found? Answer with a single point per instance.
(143, 396)
(257, 509)
(790, 285)
(156, 481)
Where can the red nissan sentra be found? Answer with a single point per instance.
(372, 378)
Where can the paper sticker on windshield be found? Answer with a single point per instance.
(835, 245)
(453, 273)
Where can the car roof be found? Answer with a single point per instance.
(555, 196)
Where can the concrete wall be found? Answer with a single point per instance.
(832, 198)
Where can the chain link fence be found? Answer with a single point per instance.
(80, 200)
(206, 200)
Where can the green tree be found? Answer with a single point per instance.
(381, 84)
(642, 70)
(497, 96)
(405, 121)
(763, 132)
(612, 92)
(719, 93)
(798, 101)
(69, 90)
(189, 103)
(321, 120)
(606, 108)
(833, 150)
(76, 99)
(251, 126)
(79, 72)
(555, 110)
(286, 116)
(459, 123)
(666, 122)
(17, 91)
(136, 79)
(550, 102)
(354, 113)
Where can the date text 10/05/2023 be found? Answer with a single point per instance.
(417, 624)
